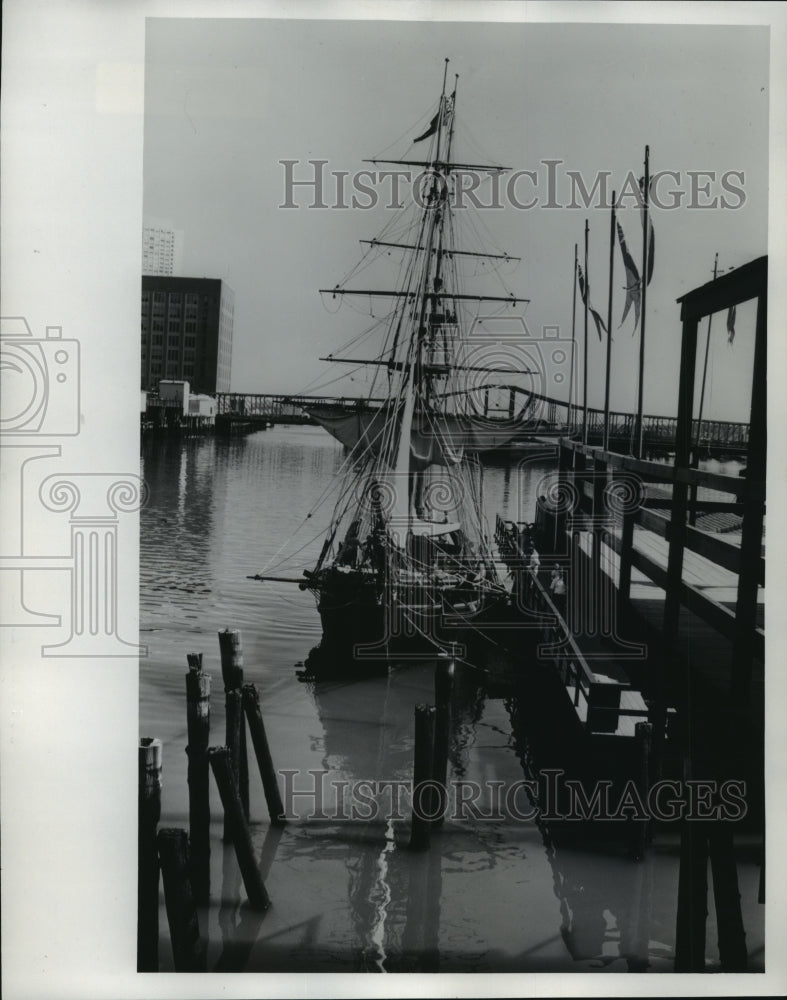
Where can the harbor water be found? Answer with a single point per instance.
(495, 892)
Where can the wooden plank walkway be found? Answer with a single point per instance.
(716, 582)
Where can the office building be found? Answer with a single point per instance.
(162, 250)
(187, 332)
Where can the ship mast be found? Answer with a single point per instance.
(413, 371)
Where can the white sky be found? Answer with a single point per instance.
(226, 100)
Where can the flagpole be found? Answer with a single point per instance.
(609, 323)
(644, 297)
(585, 353)
(572, 374)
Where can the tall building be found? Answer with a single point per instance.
(187, 332)
(162, 249)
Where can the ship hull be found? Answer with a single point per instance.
(363, 631)
(364, 429)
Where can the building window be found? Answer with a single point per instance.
(158, 325)
(157, 339)
(191, 326)
(173, 340)
(192, 299)
(155, 368)
(190, 341)
(172, 354)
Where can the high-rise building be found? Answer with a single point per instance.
(162, 249)
(187, 332)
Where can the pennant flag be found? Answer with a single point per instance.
(651, 236)
(632, 285)
(430, 130)
(583, 293)
(448, 110)
(731, 325)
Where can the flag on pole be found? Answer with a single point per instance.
(583, 293)
(731, 325)
(632, 286)
(432, 128)
(651, 237)
(447, 107)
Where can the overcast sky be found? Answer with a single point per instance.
(226, 100)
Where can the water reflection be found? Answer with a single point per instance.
(490, 894)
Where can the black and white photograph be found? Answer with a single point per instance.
(390, 410)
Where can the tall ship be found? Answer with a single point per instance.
(407, 564)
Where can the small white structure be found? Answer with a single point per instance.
(202, 406)
(174, 391)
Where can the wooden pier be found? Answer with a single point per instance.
(664, 617)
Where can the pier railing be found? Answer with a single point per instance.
(597, 699)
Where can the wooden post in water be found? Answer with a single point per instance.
(443, 688)
(231, 649)
(149, 813)
(692, 898)
(235, 819)
(198, 721)
(727, 897)
(188, 949)
(259, 739)
(422, 777)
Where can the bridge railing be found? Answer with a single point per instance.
(547, 414)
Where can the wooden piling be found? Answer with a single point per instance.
(643, 733)
(727, 898)
(443, 689)
(198, 721)
(188, 949)
(234, 717)
(422, 772)
(692, 898)
(259, 739)
(235, 818)
(231, 649)
(149, 813)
